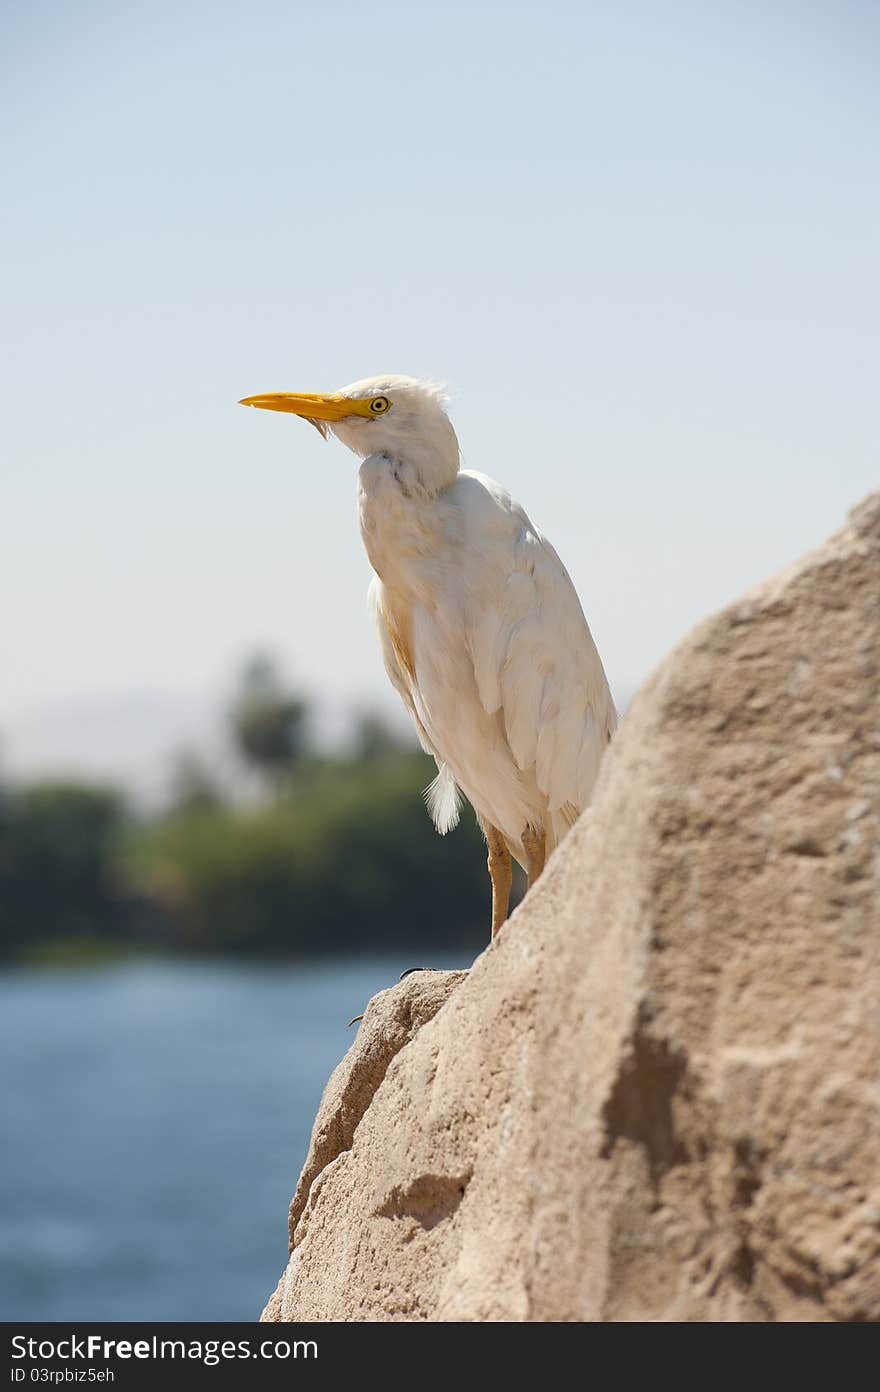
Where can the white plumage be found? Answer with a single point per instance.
(481, 628)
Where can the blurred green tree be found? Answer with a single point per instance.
(351, 863)
(57, 880)
(269, 723)
(341, 859)
(194, 787)
(375, 739)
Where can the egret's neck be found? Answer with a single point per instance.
(399, 510)
(400, 496)
(423, 450)
(426, 458)
(423, 471)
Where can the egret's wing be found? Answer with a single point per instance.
(534, 657)
(442, 797)
(393, 665)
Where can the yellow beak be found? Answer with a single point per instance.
(315, 406)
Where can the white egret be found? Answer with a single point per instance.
(481, 628)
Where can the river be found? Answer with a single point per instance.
(155, 1116)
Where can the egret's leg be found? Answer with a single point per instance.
(535, 847)
(500, 875)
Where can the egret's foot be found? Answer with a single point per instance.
(500, 874)
(535, 846)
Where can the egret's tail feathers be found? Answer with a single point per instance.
(443, 801)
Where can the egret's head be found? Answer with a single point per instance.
(402, 417)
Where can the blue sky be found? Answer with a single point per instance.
(638, 240)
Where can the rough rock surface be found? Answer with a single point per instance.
(390, 1021)
(657, 1096)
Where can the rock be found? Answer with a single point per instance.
(390, 1021)
(656, 1096)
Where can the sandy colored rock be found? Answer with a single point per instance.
(391, 1020)
(657, 1096)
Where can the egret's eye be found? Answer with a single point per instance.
(379, 405)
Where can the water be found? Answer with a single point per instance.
(154, 1120)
